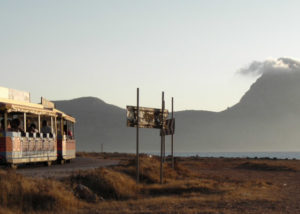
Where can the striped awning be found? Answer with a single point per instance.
(25, 109)
(38, 109)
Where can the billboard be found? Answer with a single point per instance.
(14, 94)
(148, 117)
(169, 126)
(47, 104)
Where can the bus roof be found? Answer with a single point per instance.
(18, 106)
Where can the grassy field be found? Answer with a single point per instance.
(195, 185)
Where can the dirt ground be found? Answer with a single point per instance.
(278, 182)
(196, 185)
(220, 185)
(58, 171)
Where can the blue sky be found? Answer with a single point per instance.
(190, 49)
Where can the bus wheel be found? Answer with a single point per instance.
(48, 163)
(13, 166)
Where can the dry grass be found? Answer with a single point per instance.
(150, 170)
(106, 183)
(21, 194)
(105, 155)
(199, 185)
(183, 187)
(265, 167)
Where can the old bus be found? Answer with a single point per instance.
(32, 132)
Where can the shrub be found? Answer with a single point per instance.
(106, 183)
(27, 194)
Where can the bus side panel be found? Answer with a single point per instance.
(15, 152)
(70, 149)
(66, 149)
(60, 153)
(2, 149)
(16, 149)
(7, 146)
(35, 149)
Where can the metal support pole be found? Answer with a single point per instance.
(25, 125)
(55, 121)
(172, 142)
(39, 123)
(62, 127)
(162, 140)
(164, 154)
(52, 125)
(73, 130)
(5, 122)
(137, 138)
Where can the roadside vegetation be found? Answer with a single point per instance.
(19, 194)
(195, 185)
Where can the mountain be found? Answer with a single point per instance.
(267, 118)
(100, 123)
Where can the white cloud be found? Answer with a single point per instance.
(283, 64)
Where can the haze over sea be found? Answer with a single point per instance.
(278, 155)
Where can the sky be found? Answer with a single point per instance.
(192, 50)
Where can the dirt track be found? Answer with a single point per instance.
(58, 171)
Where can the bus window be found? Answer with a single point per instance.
(73, 130)
(69, 129)
(58, 126)
(70, 132)
(46, 125)
(65, 127)
(2, 124)
(32, 124)
(15, 122)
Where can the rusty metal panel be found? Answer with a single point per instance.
(70, 144)
(148, 117)
(2, 144)
(169, 126)
(47, 104)
(16, 144)
(9, 146)
(14, 94)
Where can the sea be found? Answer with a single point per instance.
(272, 155)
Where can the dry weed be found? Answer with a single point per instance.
(107, 183)
(26, 194)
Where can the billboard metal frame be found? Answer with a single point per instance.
(143, 117)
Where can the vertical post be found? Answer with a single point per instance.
(39, 123)
(51, 124)
(137, 137)
(162, 140)
(25, 123)
(62, 128)
(55, 124)
(73, 130)
(172, 145)
(5, 121)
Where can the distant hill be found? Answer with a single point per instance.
(101, 123)
(267, 118)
